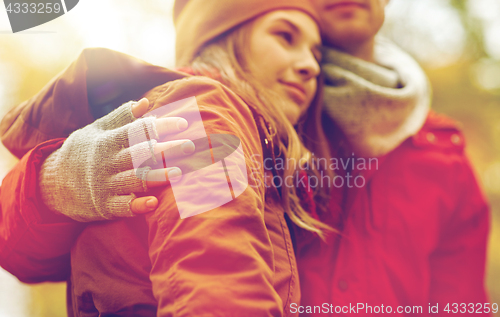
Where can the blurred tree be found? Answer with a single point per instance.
(475, 44)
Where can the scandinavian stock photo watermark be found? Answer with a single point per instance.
(335, 172)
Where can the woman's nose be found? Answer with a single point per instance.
(307, 66)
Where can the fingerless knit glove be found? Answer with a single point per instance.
(91, 177)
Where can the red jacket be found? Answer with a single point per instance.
(414, 234)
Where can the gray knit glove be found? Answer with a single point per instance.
(91, 177)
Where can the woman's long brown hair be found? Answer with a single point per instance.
(227, 56)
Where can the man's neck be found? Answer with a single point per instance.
(363, 50)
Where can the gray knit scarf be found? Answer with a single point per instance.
(377, 106)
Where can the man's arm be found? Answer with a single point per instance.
(35, 241)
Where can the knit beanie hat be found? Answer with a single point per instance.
(197, 22)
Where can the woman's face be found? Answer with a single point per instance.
(283, 55)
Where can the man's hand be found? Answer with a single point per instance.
(163, 126)
(93, 177)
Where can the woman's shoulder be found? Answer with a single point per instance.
(206, 91)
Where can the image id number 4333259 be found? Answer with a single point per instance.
(41, 7)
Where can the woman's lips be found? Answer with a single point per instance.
(296, 92)
(345, 5)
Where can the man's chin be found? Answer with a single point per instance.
(347, 36)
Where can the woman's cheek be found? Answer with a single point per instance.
(312, 86)
(280, 56)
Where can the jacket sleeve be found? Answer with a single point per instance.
(219, 262)
(458, 264)
(34, 241)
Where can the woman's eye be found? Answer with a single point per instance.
(318, 57)
(287, 36)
